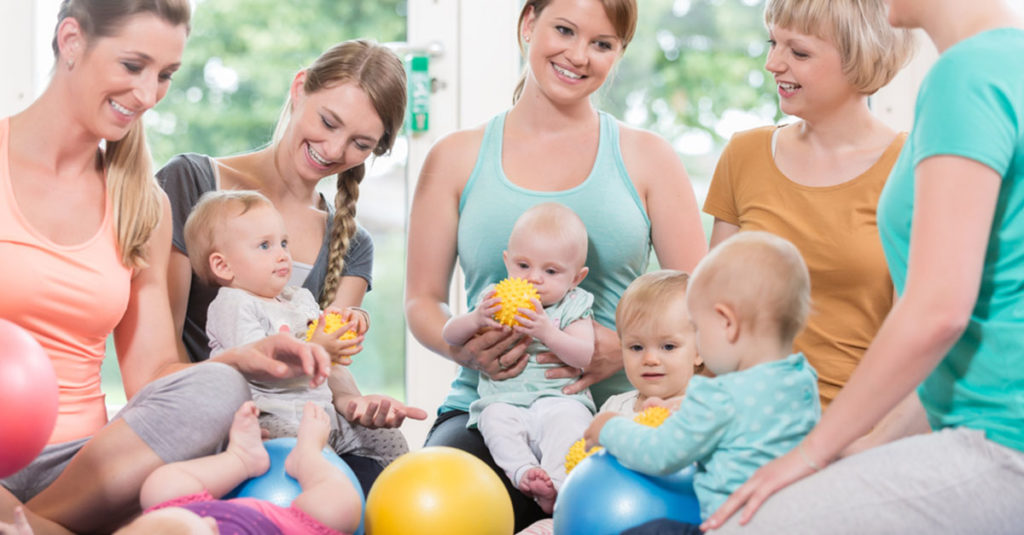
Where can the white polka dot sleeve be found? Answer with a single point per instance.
(691, 434)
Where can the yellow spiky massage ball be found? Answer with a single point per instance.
(332, 322)
(651, 417)
(515, 293)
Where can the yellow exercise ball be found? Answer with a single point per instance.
(438, 490)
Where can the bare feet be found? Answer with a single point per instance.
(311, 439)
(537, 483)
(245, 441)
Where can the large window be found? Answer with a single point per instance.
(695, 74)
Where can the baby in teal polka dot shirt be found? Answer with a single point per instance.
(747, 300)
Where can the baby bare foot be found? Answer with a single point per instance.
(537, 483)
(314, 429)
(245, 442)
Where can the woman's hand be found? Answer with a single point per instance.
(281, 356)
(607, 361)
(768, 480)
(376, 411)
(497, 353)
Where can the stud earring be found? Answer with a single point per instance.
(71, 63)
(526, 38)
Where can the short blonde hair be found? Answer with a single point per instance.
(648, 296)
(207, 219)
(554, 221)
(762, 277)
(872, 51)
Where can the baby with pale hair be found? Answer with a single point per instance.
(747, 300)
(526, 420)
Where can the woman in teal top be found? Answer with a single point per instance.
(627, 185)
(952, 224)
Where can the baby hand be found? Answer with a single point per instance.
(593, 433)
(533, 322)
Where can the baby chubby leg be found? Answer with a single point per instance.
(327, 493)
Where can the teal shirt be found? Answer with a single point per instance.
(531, 385)
(729, 425)
(618, 228)
(971, 104)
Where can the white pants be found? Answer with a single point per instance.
(520, 438)
(951, 481)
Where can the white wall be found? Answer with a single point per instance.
(894, 103)
(26, 27)
(476, 72)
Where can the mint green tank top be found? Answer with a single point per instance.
(608, 204)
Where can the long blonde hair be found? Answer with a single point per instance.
(622, 14)
(377, 71)
(133, 190)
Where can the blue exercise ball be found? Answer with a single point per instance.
(279, 488)
(601, 496)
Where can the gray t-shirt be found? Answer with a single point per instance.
(185, 178)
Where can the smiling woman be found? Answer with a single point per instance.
(346, 106)
(81, 212)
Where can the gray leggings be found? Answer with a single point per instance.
(181, 416)
(951, 481)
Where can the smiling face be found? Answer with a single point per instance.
(330, 131)
(572, 48)
(253, 252)
(115, 79)
(808, 72)
(660, 355)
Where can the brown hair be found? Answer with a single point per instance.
(376, 70)
(208, 217)
(133, 190)
(871, 50)
(622, 14)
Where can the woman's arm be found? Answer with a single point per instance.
(351, 292)
(721, 231)
(145, 342)
(664, 186)
(433, 226)
(955, 200)
(904, 420)
(179, 283)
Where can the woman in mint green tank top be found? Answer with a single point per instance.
(628, 186)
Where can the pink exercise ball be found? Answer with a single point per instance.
(28, 397)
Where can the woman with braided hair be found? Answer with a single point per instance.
(348, 104)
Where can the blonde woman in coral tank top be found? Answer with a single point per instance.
(90, 231)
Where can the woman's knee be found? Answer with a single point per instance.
(220, 383)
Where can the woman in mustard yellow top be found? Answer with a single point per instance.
(816, 181)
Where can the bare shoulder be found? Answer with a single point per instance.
(647, 155)
(452, 157)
